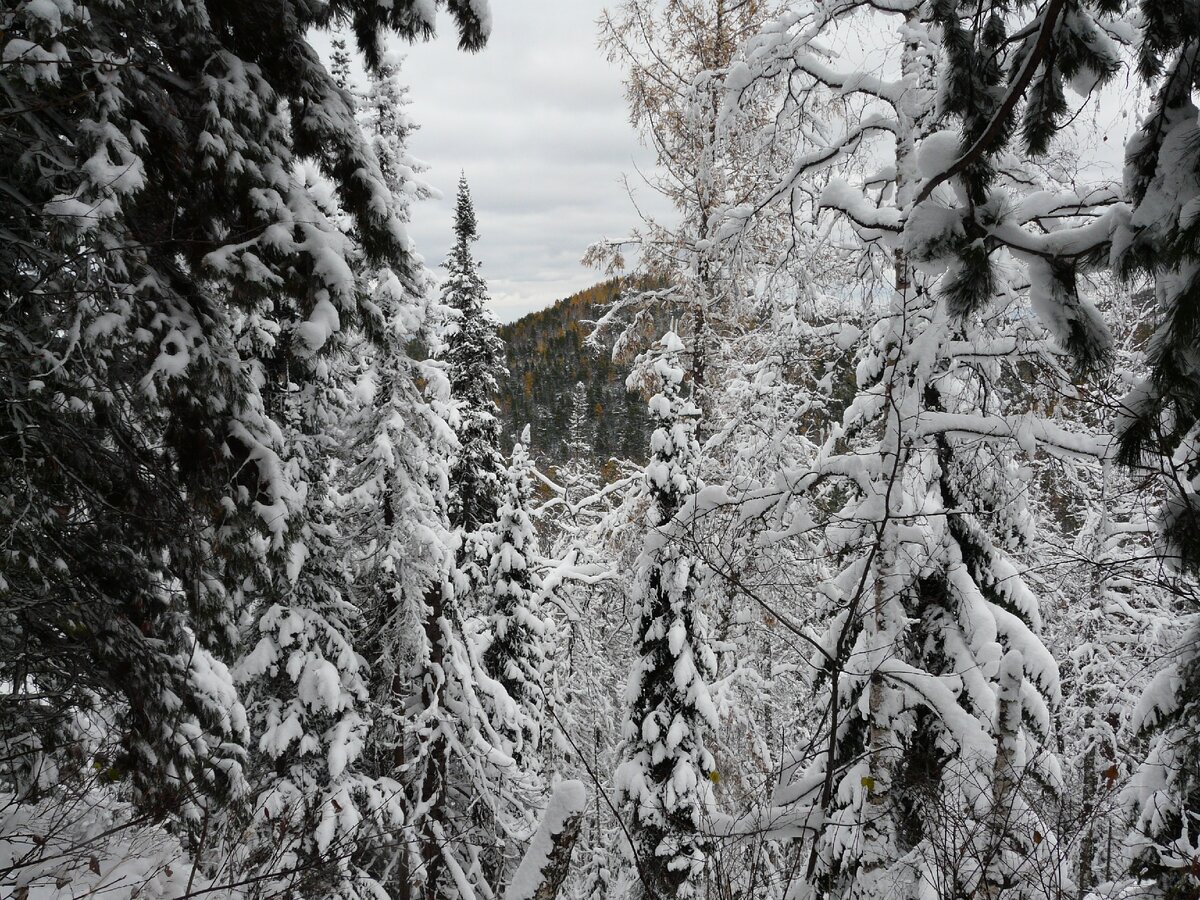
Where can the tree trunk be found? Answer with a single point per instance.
(548, 860)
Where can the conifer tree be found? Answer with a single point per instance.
(390, 127)
(516, 656)
(580, 440)
(304, 680)
(464, 799)
(664, 781)
(1161, 427)
(1165, 790)
(195, 204)
(339, 63)
(1159, 241)
(474, 356)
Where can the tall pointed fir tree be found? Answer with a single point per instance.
(339, 63)
(1162, 423)
(474, 357)
(465, 801)
(390, 440)
(519, 635)
(664, 781)
(390, 126)
(304, 677)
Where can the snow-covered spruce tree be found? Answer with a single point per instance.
(1162, 175)
(392, 488)
(474, 357)
(431, 760)
(303, 680)
(677, 56)
(335, 812)
(388, 124)
(463, 803)
(1165, 841)
(468, 803)
(167, 267)
(734, 288)
(396, 489)
(664, 781)
(1162, 425)
(939, 691)
(346, 809)
(339, 63)
(516, 656)
(580, 439)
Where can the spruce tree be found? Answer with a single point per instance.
(1162, 421)
(188, 201)
(664, 781)
(463, 794)
(1162, 176)
(579, 443)
(339, 63)
(516, 656)
(390, 127)
(304, 682)
(474, 357)
(396, 490)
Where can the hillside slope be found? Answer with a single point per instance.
(572, 396)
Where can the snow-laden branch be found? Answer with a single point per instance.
(997, 127)
(1028, 431)
(548, 859)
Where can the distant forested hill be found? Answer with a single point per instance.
(574, 397)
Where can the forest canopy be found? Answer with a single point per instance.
(841, 544)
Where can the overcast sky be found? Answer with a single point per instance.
(537, 121)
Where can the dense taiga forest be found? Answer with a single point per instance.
(841, 543)
(571, 391)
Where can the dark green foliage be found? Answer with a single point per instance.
(1002, 65)
(1077, 46)
(982, 71)
(373, 19)
(474, 356)
(973, 76)
(972, 282)
(548, 356)
(159, 268)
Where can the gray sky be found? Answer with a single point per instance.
(537, 121)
